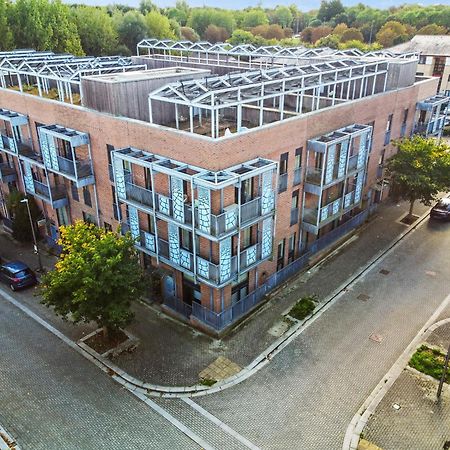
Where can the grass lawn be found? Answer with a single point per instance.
(429, 361)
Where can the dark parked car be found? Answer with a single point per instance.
(17, 275)
(441, 210)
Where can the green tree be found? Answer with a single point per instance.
(392, 33)
(145, 6)
(352, 34)
(189, 34)
(180, 13)
(420, 170)
(432, 28)
(158, 26)
(200, 18)
(332, 41)
(329, 9)
(131, 28)
(253, 18)
(241, 37)
(96, 29)
(44, 25)
(216, 34)
(283, 16)
(7, 40)
(96, 277)
(21, 226)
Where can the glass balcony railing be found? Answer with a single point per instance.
(56, 196)
(297, 176)
(282, 182)
(7, 173)
(139, 194)
(313, 175)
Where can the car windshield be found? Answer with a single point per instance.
(444, 204)
(22, 273)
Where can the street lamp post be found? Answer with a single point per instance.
(444, 374)
(36, 248)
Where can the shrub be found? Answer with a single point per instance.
(429, 361)
(304, 307)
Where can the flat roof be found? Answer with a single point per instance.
(150, 74)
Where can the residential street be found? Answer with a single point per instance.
(309, 393)
(303, 399)
(51, 398)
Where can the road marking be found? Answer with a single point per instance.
(220, 424)
(183, 428)
(360, 419)
(132, 389)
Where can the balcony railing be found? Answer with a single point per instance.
(352, 162)
(294, 216)
(250, 256)
(7, 173)
(282, 182)
(139, 194)
(165, 206)
(331, 210)
(250, 210)
(349, 199)
(58, 193)
(212, 274)
(67, 166)
(313, 175)
(297, 176)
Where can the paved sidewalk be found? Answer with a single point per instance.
(173, 354)
(421, 422)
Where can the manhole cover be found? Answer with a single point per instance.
(396, 406)
(430, 273)
(363, 297)
(384, 272)
(376, 337)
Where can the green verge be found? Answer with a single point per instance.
(304, 307)
(429, 361)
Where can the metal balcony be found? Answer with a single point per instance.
(7, 173)
(79, 171)
(282, 182)
(55, 196)
(139, 195)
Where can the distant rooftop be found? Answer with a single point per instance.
(427, 45)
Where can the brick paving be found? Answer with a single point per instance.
(422, 422)
(54, 399)
(308, 394)
(190, 351)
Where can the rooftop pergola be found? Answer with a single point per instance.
(198, 176)
(273, 54)
(290, 89)
(62, 71)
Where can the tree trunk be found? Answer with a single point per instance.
(411, 207)
(105, 332)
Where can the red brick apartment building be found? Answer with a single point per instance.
(230, 166)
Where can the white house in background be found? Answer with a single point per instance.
(434, 57)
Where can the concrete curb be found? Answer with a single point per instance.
(258, 363)
(361, 418)
(7, 442)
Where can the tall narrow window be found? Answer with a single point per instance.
(87, 196)
(282, 177)
(298, 166)
(280, 254)
(294, 207)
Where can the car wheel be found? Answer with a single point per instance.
(13, 288)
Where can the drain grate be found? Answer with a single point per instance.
(384, 272)
(363, 297)
(376, 337)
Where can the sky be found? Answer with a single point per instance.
(304, 5)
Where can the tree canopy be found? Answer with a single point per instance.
(96, 277)
(95, 30)
(419, 170)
